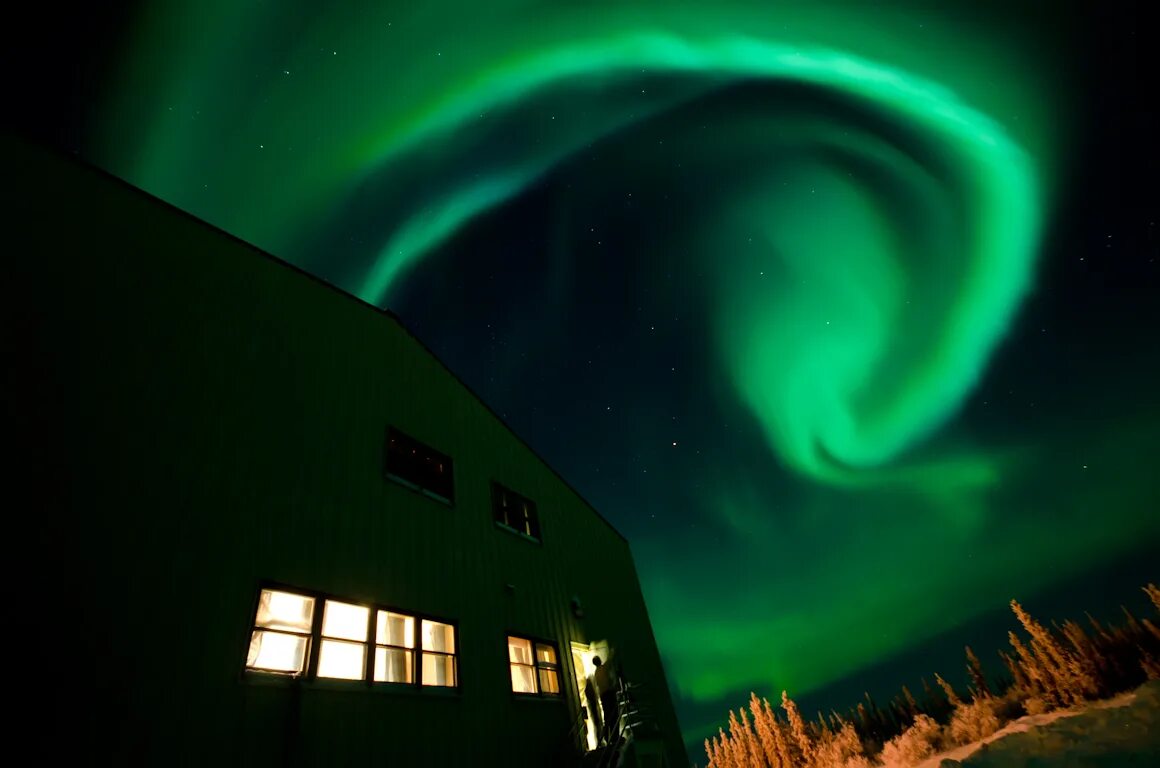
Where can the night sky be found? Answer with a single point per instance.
(845, 314)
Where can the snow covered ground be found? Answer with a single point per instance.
(1123, 732)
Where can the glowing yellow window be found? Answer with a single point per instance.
(547, 669)
(281, 635)
(522, 669)
(538, 673)
(394, 644)
(342, 653)
(438, 654)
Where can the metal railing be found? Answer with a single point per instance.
(631, 716)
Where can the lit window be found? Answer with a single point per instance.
(394, 644)
(419, 466)
(514, 511)
(285, 631)
(547, 669)
(438, 654)
(344, 635)
(535, 667)
(281, 635)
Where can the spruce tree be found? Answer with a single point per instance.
(737, 740)
(911, 704)
(978, 679)
(1038, 681)
(781, 738)
(1052, 658)
(725, 752)
(1018, 677)
(1153, 593)
(952, 697)
(797, 729)
(752, 746)
(765, 728)
(1090, 665)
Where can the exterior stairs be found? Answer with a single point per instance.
(637, 742)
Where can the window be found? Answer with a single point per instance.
(537, 673)
(343, 653)
(512, 510)
(419, 466)
(394, 641)
(284, 633)
(438, 653)
(281, 635)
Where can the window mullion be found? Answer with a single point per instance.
(369, 646)
(312, 652)
(417, 653)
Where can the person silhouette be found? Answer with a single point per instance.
(605, 680)
(592, 699)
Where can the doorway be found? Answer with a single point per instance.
(582, 664)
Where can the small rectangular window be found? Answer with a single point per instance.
(394, 648)
(438, 654)
(419, 466)
(342, 654)
(514, 511)
(547, 669)
(534, 666)
(281, 635)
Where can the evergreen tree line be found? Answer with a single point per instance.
(1049, 669)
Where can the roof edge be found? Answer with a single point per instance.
(382, 311)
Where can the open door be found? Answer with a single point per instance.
(582, 663)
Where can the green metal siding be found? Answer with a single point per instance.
(194, 417)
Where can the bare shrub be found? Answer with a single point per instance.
(840, 750)
(973, 721)
(913, 745)
(1035, 705)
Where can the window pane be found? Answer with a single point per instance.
(395, 629)
(545, 654)
(393, 666)
(277, 652)
(284, 610)
(523, 679)
(549, 682)
(438, 637)
(438, 669)
(514, 511)
(419, 465)
(341, 660)
(345, 620)
(519, 650)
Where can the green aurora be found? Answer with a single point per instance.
(817, 355)
(874, 195)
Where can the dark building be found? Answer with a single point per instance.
(253, 521)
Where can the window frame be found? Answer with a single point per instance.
(318, 639)
(500, 517)
(536, 667)
(421, 652)
(309, 636)
(418, 487)
(414, 673)
(315, 639)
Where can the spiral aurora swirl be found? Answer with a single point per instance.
(848, 343)
(810, 319)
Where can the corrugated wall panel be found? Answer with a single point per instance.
(199, 418)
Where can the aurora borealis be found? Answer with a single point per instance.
(794, 293)
(950, 201)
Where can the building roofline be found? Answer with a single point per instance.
(390, 315)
